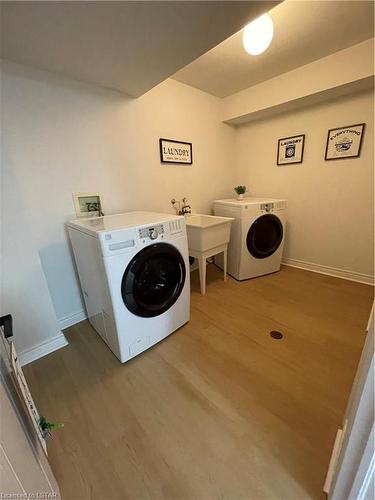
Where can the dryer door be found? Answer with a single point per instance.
(264, 236)
(153, 280)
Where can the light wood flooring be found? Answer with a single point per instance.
(219, 410)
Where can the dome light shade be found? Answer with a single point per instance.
(257, 35)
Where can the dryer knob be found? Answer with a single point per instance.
(153, 234)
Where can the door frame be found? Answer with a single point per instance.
(353, 473)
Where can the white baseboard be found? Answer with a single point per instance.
(42, 349)
(72, 319)
(54, 343)
(330, 271)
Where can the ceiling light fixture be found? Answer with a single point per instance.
(258, 35)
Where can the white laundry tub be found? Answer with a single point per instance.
(205, 232)
(207, 236)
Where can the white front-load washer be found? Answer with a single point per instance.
(257, 235)
(134, 274)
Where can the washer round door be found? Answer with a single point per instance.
(264, 236)
(153, 280)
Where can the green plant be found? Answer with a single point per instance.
(47, 427)
(240, 189)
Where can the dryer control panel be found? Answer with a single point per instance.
(271, 206)
(267, 207)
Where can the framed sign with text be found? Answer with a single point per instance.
(344, 142)
(290, 150)
(176, 151)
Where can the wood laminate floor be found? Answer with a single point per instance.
(219, 410)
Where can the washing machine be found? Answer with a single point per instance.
(134, 274)
(257, 235)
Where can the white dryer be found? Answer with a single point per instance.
(257, 235)
(134, 274)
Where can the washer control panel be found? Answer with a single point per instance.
(151, 232)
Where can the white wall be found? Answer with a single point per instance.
(61, 137)
(24, 291)
(330, 203)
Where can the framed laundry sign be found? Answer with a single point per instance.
(176, 151)
(344, 142)
(290, 150)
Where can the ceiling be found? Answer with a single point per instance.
(304, 31)
(126, 46)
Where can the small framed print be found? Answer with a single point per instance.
(290, 150)
(344, 142)
(176, 151)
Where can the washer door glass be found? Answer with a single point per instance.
(264, 236)
(153, 280)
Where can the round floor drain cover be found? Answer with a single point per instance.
(276, 335)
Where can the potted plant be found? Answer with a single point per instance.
(240, 190)
(46, 427)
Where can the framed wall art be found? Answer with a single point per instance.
(290, 150)
(176, 151)
(344, 142)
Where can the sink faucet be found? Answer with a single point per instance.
(185, 209)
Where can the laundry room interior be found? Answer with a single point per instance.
(187, 249)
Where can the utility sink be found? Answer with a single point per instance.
(206, 232)
(207, 236)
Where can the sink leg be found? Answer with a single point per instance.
(202, 274)
(225, 264)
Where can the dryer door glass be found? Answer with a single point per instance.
(153, 280)
(264, 236)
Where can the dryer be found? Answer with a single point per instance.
(134, 274)
(257, 235)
